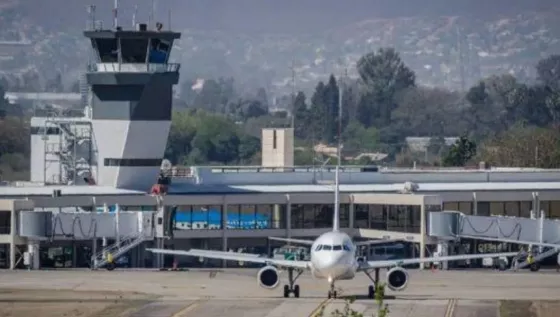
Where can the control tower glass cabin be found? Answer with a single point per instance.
(131, 84)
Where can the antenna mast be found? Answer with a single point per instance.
(115, 14)
(134, 15)
(293, 95)
(91, 22)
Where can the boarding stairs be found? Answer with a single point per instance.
(537, 259)
(117, 249)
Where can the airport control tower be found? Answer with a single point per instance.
(131, 84)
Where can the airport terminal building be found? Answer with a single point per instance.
(97, 183)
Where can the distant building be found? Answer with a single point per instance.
(420, 144)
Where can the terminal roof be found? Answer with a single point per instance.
(132, 34)
(190, 189)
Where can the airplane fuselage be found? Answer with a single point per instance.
(333, 257)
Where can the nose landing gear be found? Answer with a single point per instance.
(372, 288)
(332, 292)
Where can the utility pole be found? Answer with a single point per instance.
(115, 15)
(152, 15)
(293, 94)
(134, 16)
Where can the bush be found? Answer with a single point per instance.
(347, 311)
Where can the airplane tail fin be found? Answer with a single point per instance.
(336, 213)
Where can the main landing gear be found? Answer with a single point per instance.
(292, 287)
(372, 288)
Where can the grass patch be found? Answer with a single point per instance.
(517, 308)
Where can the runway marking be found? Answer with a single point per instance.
(450, 310)
(190, 307)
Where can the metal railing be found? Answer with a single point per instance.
(117, 249)
(135, 68)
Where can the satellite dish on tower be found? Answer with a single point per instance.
(166, 165)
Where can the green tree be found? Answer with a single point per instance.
(318, 112)
(3, 102)
(384, 74)
(262, 97)
(347, 311)
(199, 137)
(248, 147)
(425, 111)
(302, 117)
(548, 75)
(522, 146)
(460, 153)
(330, 102)
(248, 108)
(548, 72)
(481, 114)
(303, 157)
(215, 95)
(357, 139)
(350, 97)
(182, 131)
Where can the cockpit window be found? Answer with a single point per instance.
(326, 248)
(337, 247)
(346, 247)
(318, 248)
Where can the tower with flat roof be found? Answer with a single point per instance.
(277, 146)
(131, 83)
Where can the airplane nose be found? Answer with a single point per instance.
(331, 261)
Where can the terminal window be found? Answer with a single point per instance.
(108, 50)
(132, 162)
(134, 51)
(159, 51)
(43, 130)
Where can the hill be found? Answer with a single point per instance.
(447, 45)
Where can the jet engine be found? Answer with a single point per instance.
(268, 277)
(397, 279)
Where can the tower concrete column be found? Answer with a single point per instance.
(289, 218)
(33, 251)
(276, 216)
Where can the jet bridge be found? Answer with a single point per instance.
(454, 225)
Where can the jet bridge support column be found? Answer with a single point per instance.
(224, 232)
(443, 250)
(33, 253)
(351, 215)
(288, 217)
(276, 216)
(422, 234)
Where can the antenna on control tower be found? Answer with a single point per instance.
(134, 15)
(115, 15)
(152, 13)
(91, 12)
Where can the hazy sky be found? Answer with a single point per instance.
(275, 15)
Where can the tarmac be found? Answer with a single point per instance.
(235, 293)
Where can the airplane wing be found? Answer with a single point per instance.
(310, 242)
(372, 242)
(234, 256)
(389, 263)
(290, 240)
